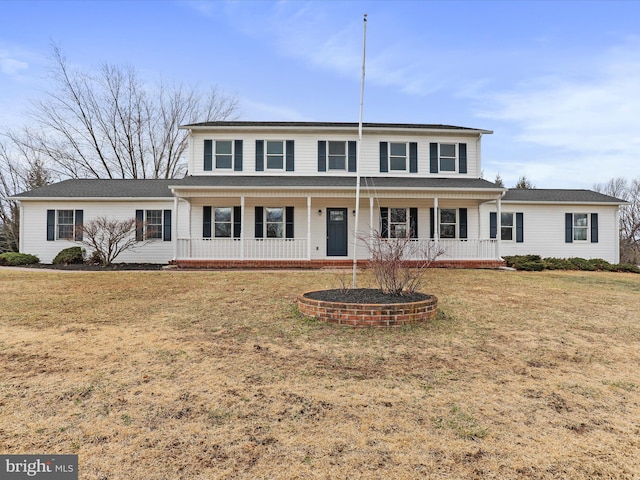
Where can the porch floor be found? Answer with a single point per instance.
(319, 264)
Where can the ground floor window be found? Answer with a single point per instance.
(65, 225)
(580, 227)
(448, 223)
(274, 222)
(223, 222)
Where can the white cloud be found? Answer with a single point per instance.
(256, 110)
(9, 65)
(583, 125)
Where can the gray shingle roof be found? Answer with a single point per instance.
(345, 125)
(558, 196)
(326, 181)
(102, 188)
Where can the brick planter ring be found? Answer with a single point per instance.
(368, 314)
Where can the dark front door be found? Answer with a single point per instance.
(337, 232)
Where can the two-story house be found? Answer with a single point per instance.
(284, 194)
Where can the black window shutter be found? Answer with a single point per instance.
(413, 222)
(462, 212)
(237, 156)
(413, 157)
(237, 221)
(206, 222)
(594, 228)
(351, 156)
(493, 225)
(259, 155)
(259, 222)
(433, 158)
(289, 222)
(462, 153)
(384, 221)
(208, 155)
(568, 228)
(290, 156)
(51, 225)
(322, 155)
(166, 226)
(432, 222)
(78, 221)
(519, 227)
(139, 225)
(384, 157)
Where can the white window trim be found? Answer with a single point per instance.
(455, 159)
(575, 227)
(441, 223)
(215, 155)
(406, 223)
(406, 157)
(512, 227)
(284, 156)
(283, 222)
(58, 224)
(346, 156)
(147, 225)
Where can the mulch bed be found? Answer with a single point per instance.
(364, 295)
(97, 268)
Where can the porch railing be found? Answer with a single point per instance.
(247, 249)
(296, 249)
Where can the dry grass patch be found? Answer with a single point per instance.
(164, 375)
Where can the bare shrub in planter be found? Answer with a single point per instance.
(108, 238)
(399, 264)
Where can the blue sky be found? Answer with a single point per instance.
(557, 82)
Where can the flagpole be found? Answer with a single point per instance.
(359, 149)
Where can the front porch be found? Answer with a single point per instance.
(296, 253)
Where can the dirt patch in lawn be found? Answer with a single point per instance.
(202, 375)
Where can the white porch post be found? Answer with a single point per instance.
(174, 227)
(189, 238)
(309, 228)
(242, 235)
(436, 220)
(498, 225)
(371, 229)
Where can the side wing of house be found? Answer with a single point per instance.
(555, 223)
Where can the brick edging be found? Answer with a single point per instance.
(368, 314)
(318, 264)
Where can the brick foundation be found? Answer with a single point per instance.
(317, 264)
(369, 315)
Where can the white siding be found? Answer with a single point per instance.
(544, 231)
(306, 153)
(34, 227)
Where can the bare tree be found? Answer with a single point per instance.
(629, 191)
(109, 124)
(399, 264)
(15, 178)
(108, 238)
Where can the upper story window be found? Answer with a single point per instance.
(448, 158)
(399, 157)
(274, 155)
(226, 153)
(336, 156)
